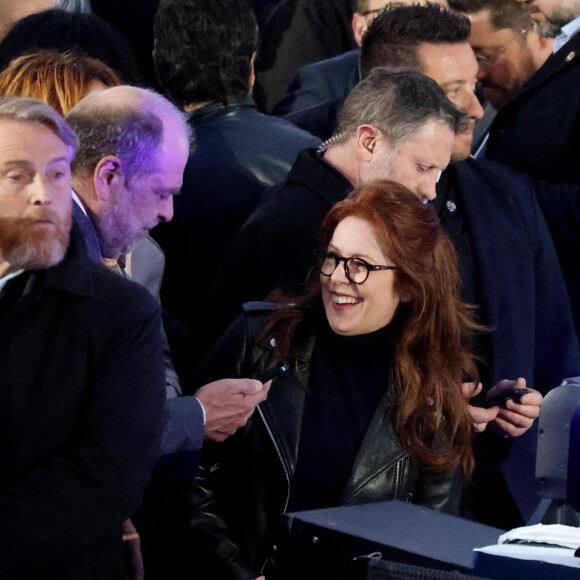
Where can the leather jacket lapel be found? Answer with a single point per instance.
(379, 454)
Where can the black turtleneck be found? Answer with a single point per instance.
(348, 378)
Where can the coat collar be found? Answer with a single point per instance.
(73, 274)
(312, 172)
(213, 110)
(87, 229)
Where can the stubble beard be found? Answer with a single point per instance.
(551, 26)
(31, 247)
(116, 231)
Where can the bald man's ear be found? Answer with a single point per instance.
(366, 140)
(108, 177)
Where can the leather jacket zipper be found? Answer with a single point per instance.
(398, 478)
(279, 453)
(284, 466)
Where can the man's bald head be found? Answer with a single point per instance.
(134, 145)
(128, 122)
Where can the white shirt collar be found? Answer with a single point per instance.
(6, 279)
(567, 32)
(77, 200)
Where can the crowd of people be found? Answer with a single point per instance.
(246, 271)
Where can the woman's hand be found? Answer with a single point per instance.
(479, 415)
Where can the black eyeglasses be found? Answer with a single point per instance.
(387, 8)
(356, 269)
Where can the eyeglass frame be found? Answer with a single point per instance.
(338, 259)
(386, 8)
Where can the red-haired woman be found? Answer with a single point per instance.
(371, 407)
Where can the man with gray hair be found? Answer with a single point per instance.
(81, 371)
(134, 145)
(395, 125)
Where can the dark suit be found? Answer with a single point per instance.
(81, 391)
(537, 131)
(183, 428)
(317, 93)
(296, 33)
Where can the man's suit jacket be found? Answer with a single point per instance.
(317, 93)
(81, 391)
(183, 428)
(525, 298)
(537, 132)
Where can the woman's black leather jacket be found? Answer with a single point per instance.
(248, 477)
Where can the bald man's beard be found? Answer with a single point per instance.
(29, 246)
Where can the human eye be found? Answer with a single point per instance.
(422, 168)
(58, 173)
(17, 177)
(163, 195)
(332, 257)
(358, 265)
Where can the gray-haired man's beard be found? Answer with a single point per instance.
(32, 247)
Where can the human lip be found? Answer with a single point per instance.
(42, 222)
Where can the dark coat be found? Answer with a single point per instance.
(529, 314)
(537, 132)
(183, 426)
(81, 385)
(250, 475)
(296, 33)
(238, 153)
(317, 93)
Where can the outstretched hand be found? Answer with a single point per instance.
(228, 404)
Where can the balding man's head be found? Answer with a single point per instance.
(134, 146)
(128, 122)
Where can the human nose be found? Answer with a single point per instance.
(428, 189)
(166, 210)
(40, 192)
(339, 274)
(474, 110)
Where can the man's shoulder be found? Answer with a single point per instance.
(346, 63)
(495, 176)
(491, 188)
(105, 297)
(300, 193)
(113, 291)
(249, 122)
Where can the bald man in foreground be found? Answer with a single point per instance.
(134, 145)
